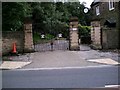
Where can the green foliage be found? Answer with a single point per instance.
(84, 30)
(36, 37)
(13, 14)
(49, 37)
(48, 17)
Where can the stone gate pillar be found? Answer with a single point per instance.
(73, 32)
(28, 37)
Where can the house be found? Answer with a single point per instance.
(105, 24)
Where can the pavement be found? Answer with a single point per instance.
(13, 64)
(16, 62)
(105, 61)
(61, 58)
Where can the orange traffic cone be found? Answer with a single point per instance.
(14, 48)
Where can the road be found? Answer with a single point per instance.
(85, 77)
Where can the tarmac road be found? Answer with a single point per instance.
(85, 77)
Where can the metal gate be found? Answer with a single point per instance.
(52, 46)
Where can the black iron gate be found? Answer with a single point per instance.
(49, 41)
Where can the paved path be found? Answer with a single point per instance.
(65, 58)
(60, 58)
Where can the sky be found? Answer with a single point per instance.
(88, 2)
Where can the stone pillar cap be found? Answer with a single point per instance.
(72, 19)
(28, 19)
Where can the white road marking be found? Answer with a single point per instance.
(104, 61)
(61, 68)
(115, 86)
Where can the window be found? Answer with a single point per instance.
(97, 10)
(111, 4)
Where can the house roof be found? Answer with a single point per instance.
(98, 1)
(95, 2)
(110, 22)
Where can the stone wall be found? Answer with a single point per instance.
(119, 23)
(23, 39)
(109, 36)
(73, 33)
(105, 13)
(28, 39)
(110, 39)
(10, 37)
(96, 34)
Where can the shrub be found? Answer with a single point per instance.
(36, 37)
(49, 36)
(84, 31)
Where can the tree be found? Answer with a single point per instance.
(48, 17)
(13, 14)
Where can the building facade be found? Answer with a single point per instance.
(105, 24)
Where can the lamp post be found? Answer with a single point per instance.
(86, 10)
